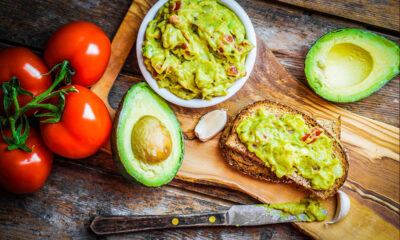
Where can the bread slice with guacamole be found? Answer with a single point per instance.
(276, 143)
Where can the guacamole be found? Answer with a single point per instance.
(287, 145)
(310, 207)
(196, 48)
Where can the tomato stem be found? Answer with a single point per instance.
(15, 100)
(58, 92)
(49, 107)
(12, 124)
(11, 90)
(60, 76)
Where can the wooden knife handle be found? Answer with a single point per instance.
(124, 224)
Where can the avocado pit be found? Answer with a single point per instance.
(150, 139)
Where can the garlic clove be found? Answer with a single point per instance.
(342, 207)
(210, 124)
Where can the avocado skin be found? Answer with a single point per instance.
(344, 99)
(114, 148)
(116, 152)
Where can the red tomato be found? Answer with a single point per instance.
(28, 68)
(23, 172)
(85, 46)
(84, 127)
(312, 136)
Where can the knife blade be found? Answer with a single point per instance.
(252, 215)
(238, 215)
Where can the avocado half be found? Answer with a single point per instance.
(350, 64)
(147, 141)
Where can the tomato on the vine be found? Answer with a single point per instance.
(84, 127)
(25, 65)
(24, 172)
(85, 46)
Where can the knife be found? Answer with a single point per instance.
(238, 215)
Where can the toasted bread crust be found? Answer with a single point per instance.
(239, 162)
(238, 156)
(244, 165)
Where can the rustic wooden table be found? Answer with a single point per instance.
(79, 189)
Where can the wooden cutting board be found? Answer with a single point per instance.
(373, 147)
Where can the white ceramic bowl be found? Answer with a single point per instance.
(197, 103)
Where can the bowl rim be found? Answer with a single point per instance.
(197, 103)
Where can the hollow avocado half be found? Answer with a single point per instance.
(147, 141)
(350, 64)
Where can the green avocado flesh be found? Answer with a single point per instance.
(196, 48)
(287, 145)
(347, 65)
(310, 207)
(147, 140)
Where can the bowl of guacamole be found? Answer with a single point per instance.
(196, 53)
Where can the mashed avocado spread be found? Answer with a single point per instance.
(310, 207)
(287, 145)
(196, 48)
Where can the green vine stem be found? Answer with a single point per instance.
(18, 117)
(63, 71)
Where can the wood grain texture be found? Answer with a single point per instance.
(121, 46)
(203, 161)
(78, 190)
(109, 225)
(288, 31)
(373, 181)
(270, 80)
(384, 14)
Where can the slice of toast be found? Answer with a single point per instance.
(260, 171)
(238, 156)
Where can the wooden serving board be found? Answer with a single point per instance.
(373, 147)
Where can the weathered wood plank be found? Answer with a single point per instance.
(289, 32)
(104, 162)
(373, 180)
(378, 13)
(31, 23)
(76, 191)
(121, 45)
(374, 186)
